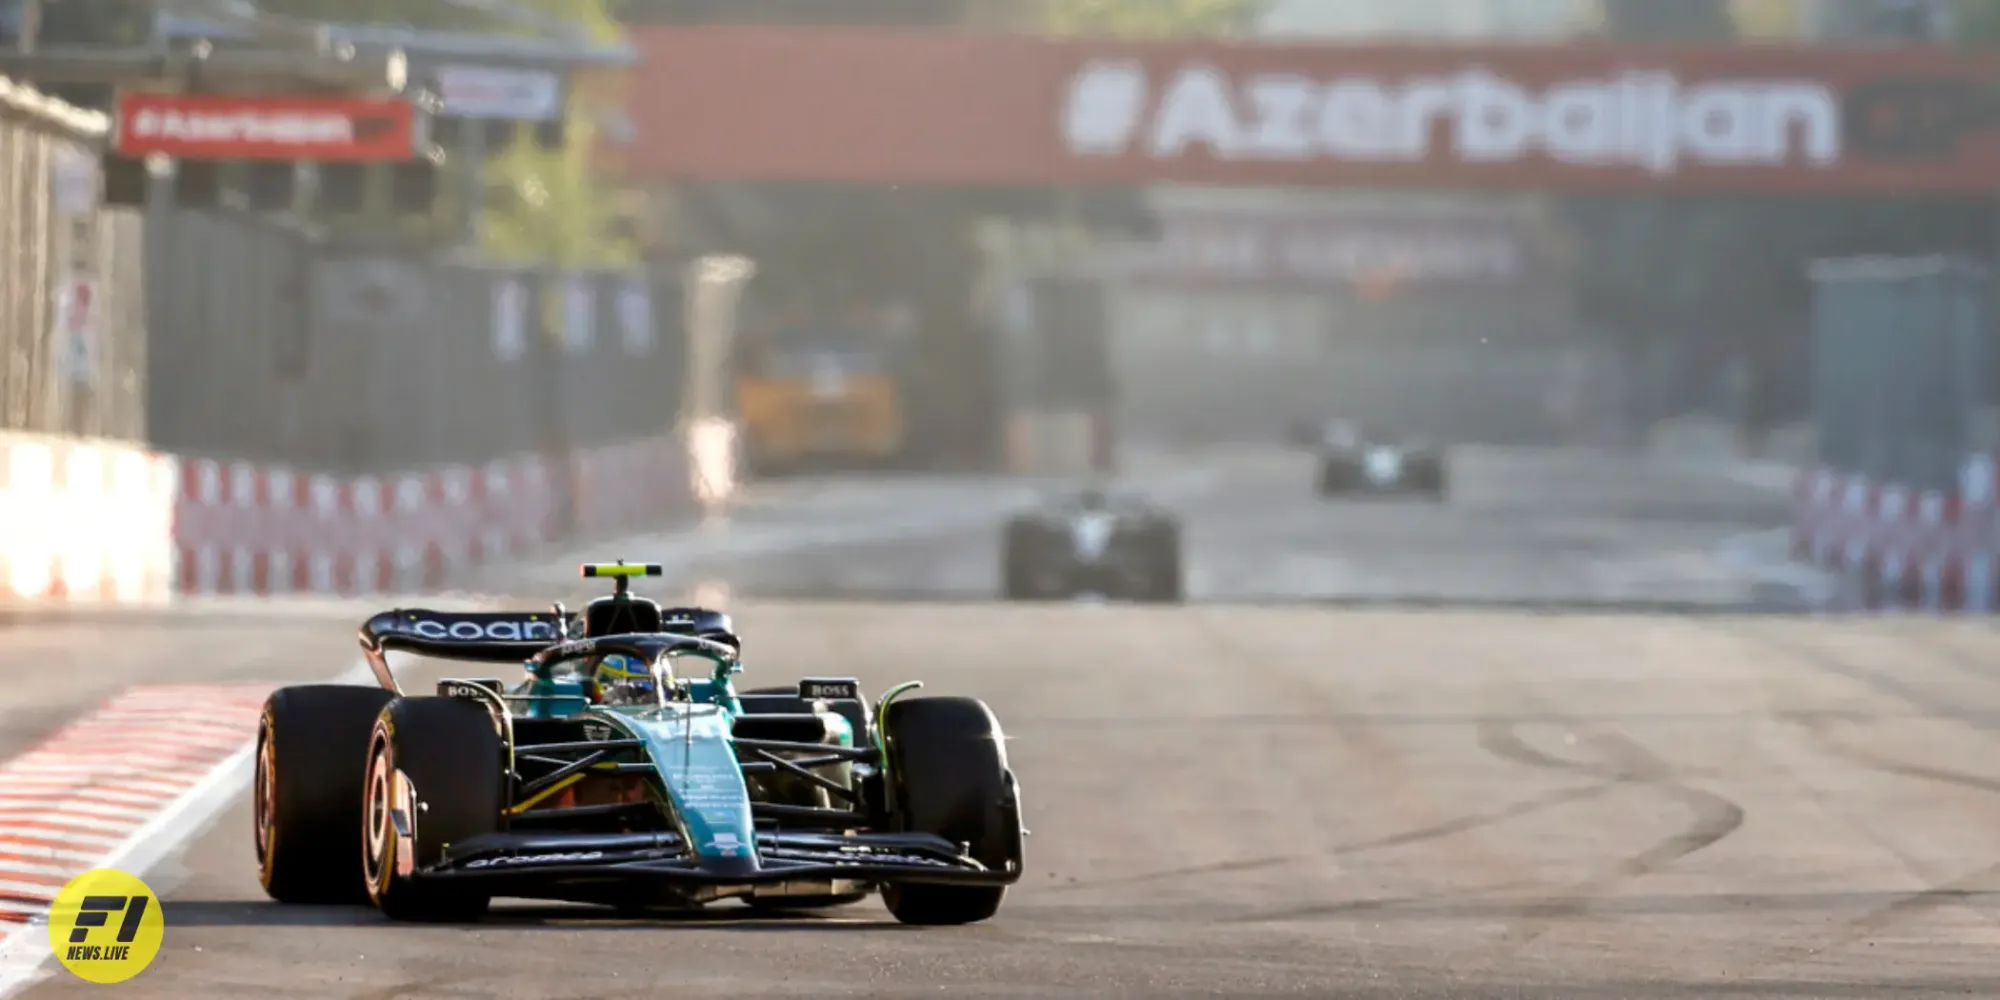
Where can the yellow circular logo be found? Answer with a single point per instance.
(106, 926)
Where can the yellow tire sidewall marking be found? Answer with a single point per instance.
(89, 946)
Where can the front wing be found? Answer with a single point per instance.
(532, 864)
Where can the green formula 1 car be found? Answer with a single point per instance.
(607, 776)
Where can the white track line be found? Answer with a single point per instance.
(24, 953)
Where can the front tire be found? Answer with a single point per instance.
(1165, 582)
(437, 763)
(1018, 549)
(312, 762)
(1335, 478)
(1433, 482)
(949, 763)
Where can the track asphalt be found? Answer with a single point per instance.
(1543, 741)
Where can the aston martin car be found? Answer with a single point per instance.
(624, 769)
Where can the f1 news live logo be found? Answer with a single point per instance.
(1649, 119)
(106, 926)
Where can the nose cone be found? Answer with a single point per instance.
(732, 866)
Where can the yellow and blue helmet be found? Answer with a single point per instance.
(621, 677)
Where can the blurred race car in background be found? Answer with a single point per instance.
(1092, 542)
(1357, 458)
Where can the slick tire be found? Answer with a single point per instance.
(1333, 480)
(438, 762)
(1164, 583)
(312, 761)
(1430, 482)
(949, 767)
(1017, 564)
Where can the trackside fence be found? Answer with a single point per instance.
(1902, 498)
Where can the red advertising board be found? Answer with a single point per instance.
(955, 108)
(215, 127)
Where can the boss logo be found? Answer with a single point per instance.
(467, 689)
(829, 690)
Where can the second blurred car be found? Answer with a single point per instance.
(1092, 542)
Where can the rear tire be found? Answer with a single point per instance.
(451, 755)
(1017, 563)
(1432, 481)
(312, 763)
(1334, 478)
(1165, 583)
(949, 763)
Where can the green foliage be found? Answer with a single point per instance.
(539, 205)
(549, 205)
(437, 15)
(1146, 18)
(432, 15)
(596, 16)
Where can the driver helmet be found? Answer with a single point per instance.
(623, 680)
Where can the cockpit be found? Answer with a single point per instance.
(614, 678)
(624, 649)
(1099, 497)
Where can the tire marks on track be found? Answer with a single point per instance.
(1820, 731)
(1445, 830)
(1625, 763)
(1968, 888)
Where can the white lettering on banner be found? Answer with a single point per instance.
(1256, 251)
(1644, 119)
(292, 128)
(1106, 104)
(489, 92)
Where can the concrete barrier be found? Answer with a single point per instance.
(111, 523)
(1933, 550)
(85, 521)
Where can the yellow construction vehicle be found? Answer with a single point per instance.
(818, 397)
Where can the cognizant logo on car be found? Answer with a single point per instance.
(497, 631)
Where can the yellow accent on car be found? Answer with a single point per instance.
(595, 570)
